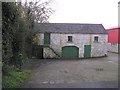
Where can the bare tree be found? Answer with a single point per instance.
(40, 10)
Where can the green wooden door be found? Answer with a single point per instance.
(46, 38)
(70, 52)
(87, 51)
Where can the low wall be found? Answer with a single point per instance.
(113, 48)
(48, 53)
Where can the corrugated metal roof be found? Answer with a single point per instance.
(69, 28)
(114, 28)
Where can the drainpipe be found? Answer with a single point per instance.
(91, 42)
(90, 39)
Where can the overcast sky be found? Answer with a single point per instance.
(86, 11)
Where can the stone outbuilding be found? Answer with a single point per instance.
(71, 40)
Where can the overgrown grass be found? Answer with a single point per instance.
(14, 79)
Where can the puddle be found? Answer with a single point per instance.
(110, 61)
(45, 82)
(48, 82)
(113, 62)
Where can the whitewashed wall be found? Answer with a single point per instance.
(79, 40)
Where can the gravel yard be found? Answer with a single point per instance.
(57, 72)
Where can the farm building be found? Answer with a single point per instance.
(113, 41)
(71, 40)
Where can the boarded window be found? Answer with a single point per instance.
(69, 38)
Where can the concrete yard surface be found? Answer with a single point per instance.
(82, 73)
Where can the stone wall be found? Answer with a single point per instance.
(113, 47)
(97, 49)
(100, 48)
(48, 53)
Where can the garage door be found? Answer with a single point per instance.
(70, 52)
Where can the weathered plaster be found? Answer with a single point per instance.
(79, 40)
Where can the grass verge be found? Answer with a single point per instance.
(14, 79)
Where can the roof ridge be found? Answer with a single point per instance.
(70, 28)
(74, 23)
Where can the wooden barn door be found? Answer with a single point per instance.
(46, 38)
(70, 52)
(87, 51)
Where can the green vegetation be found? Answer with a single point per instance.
(14, 79)
(17, 37)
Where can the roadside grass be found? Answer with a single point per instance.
(14, 78)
